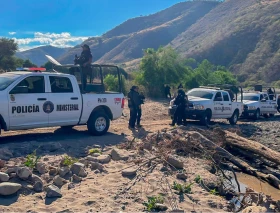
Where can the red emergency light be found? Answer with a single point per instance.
(36, 69)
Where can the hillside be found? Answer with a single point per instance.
(240, 34)
(37, 55)
(126, 41)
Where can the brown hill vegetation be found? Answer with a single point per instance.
(127, 41)
(240, 34)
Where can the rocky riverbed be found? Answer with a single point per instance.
(68, 178)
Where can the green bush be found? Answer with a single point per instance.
(165, 66)
(111, 83)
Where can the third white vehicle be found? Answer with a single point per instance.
(258, 104)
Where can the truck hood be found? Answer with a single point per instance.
(194, 100)
(249, 102)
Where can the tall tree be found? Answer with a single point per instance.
(8, 48)
(28, 63)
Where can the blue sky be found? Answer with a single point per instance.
(68, 22)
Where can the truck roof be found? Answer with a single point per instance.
(31, 72)
(205, 89)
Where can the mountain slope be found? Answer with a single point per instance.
(240, 34)
(127, 41)
(37, 55)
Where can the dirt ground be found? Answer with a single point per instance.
(97, 191)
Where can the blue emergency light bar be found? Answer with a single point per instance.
(30, 69)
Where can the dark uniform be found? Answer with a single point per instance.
(270, 94)
(133, 104)
(167, 91)
(84, 61)
(180, 113)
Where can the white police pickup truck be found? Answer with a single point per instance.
(31, 99)
(257, 104)
(206, 103)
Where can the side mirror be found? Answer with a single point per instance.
(263, 100)
(218, 99)
(19, 90)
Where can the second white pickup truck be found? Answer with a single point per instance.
(257, 104)
(31, 99)
(210, 103)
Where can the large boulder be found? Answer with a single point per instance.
(174, 161)
(78, 169)
(104, 158)
(59, 181)
(129, 172)
(63, 171)
(23, 173)
(118, 154)
(7, 188)
(35, 178)
(38, 186)
(77, 178)
(41, 168)
(5, 154)
(92, 158)
(53, 191)
(4, 177)
(95, 165)
(161, 207)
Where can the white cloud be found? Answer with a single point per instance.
(12, 33)
(63, 39)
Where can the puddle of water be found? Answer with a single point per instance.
(254, 183)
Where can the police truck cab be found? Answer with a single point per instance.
(35, 98)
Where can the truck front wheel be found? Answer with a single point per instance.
(257, 114)
(206, 118)
(234, 118)
(98, 123)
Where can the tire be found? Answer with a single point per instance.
(98, 123)
(271, 115)
(234, 118)
(206, 118)
(265, 115)
(257, 114)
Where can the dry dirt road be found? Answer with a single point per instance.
(155, 117)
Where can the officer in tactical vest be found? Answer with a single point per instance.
(180, 113)
(134, 104)
(84, 61)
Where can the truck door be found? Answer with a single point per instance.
(218, 104)
(65, 101)
(26, 101)
(264, 103)
(227, 107)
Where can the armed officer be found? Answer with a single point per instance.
(84, 61)
(180, 112)
(134, 104)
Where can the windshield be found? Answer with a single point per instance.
(6, 80)
(248, 98)
(200, 94)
